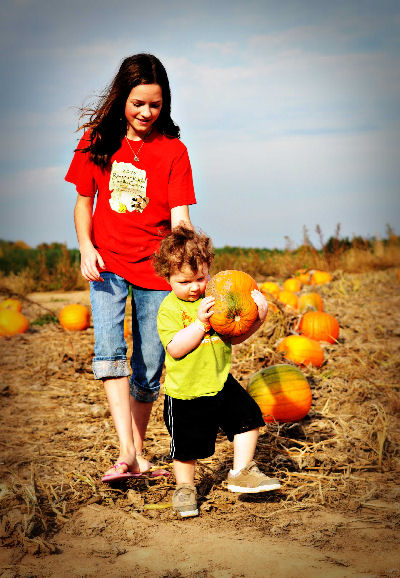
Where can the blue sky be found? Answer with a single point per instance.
(290, 110)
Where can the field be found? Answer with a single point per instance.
(337, 514)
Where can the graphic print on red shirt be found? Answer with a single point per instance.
(134, 202)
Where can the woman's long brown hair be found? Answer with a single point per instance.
(107, 123)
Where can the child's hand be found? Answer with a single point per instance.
(205, 311)
(261, 303)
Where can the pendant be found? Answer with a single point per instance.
(136, 158)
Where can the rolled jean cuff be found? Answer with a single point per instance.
(110, 368)
(140, 394)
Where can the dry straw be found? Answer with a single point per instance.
(57, 436)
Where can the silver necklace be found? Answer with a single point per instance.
(135, 155)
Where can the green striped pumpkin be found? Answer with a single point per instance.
(282, 393)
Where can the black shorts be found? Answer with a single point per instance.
(193, 424)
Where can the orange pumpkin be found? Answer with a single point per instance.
(12, 322)
(12, 304)
(311, 301)
(320, 277)
(235, 310)
(289, 298)
(292, 284)
(302, 350)
(270, 288)
(282, 392)
(75, 317)
(303, 276)
(320, 326)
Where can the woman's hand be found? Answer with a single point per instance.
(204, 311)
(90, 258)
(90, 261)
(262, 304)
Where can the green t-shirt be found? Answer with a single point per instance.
(202, 371)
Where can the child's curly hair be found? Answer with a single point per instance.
(181, 247)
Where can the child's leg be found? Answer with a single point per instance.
(184, 498)
(244, 446)
(245, 476)
(242, 414)
(184, 472)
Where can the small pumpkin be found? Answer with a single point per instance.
(301, 350)
(75, 317)
(270, 288)
(289, 298)
(292, 284)
(311, 301)
(303, 275)
(12, 322)
(320, 277)
(235, 310)
(282, 392)
(320, 326)
(12, 304)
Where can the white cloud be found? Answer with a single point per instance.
(283, 107)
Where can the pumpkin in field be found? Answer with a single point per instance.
(292, 284)
(289, 298)
(303, 276)
(270, 288)
(12, 304)
(12, 322)
(75, 317)
(320, 326)
(310, 301)
(282, 392)
(302, 350)
(235, 310)
(320, 277)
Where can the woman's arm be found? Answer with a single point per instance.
(262, 306)
(190, 337)
(180, 216)
(83, 224)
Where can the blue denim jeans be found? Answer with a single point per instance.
(108, 301)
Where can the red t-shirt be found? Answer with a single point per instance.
(134, 202)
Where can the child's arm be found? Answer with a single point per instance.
(262, 306)
(83, 224)
(191, 336)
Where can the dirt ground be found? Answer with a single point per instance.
(337, 514)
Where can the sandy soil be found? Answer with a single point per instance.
(337, 515)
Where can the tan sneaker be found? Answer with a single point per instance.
(250, 481)
(184, 501)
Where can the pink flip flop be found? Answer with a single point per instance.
(120, 476)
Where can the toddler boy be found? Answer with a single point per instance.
(201, 395)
